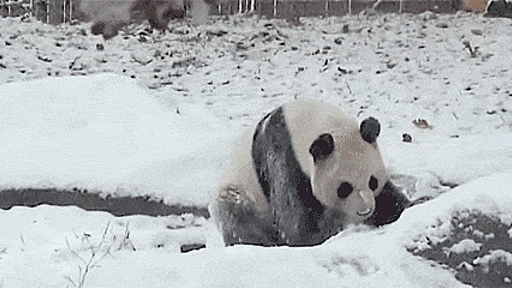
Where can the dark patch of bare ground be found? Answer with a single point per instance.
(118, 206)
(494, 274)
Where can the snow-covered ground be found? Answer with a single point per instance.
(161, 121)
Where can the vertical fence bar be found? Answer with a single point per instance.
(275, 8)
(64, 11)
(349, 6)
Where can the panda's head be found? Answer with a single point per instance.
(348, 171)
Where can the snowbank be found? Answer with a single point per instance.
(105, 133)
(45, 244)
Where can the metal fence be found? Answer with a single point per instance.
(290, 9)
(60, 11)
(49, 11)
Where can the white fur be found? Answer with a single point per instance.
(242, 175)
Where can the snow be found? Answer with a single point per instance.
(493, 257)
(73, 116)
(464, 246)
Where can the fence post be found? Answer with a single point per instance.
(275, 8)
(349, 4)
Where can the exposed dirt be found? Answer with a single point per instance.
(118, 206)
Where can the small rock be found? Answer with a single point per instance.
(477, 32)
(428, 15)
(191, 247)
(100, 47)
(442, 25)
(339, 40)
(421, 123)
(44, 58)
(218, 33)
(343, 70)
(406, 138)
(142, 57)
(390, 65)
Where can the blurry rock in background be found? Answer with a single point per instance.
(499, 8)
(475, 6)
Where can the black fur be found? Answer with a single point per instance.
(322, 147)
(369, 129)
(389, 205)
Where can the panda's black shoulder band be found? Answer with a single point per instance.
(370, 129)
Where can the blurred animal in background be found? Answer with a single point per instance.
(109, 16)
(499, 8)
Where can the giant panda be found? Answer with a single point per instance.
(302, 175)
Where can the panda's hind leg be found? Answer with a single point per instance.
(241, 223)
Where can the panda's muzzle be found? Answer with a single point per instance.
(365, 213)
(366, 205)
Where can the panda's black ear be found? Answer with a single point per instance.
(369, 129)
(322, 147)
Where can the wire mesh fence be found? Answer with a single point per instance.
(49, 11)
(61, 11)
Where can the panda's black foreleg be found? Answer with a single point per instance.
(389, 205)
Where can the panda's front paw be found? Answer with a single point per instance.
(421, 200)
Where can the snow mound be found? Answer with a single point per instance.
(472, 238)
(51, 244)
(105, 133)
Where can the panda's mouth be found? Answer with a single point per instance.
(365, 213)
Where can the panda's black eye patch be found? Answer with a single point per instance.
(374, 183)
(344, 190)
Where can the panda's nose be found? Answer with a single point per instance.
(367, 203)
